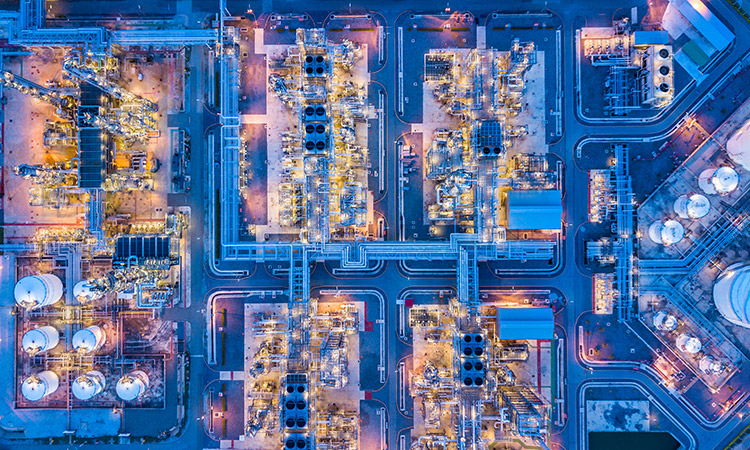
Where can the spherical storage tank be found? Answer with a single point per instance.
(132, 385)
(39, 340)
(89, 339)
(36, 291)
(666, 232)
(732, 295)
(721, 181)
(88, 385)
(38, 386)
(693, 207)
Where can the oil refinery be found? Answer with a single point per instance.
(395, 225)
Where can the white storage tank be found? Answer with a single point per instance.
(132, 385)
(84, 293)
(666, 232)
(88, 385)
(721, 181)
(732, 294)
(710, 366)
(664, 321)
(36, 387)
(738, 146)
(39, 340)
(36, 291)
(689, 344)
(692, 207)
(89, 339)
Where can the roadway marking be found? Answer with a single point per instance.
(383, 428)
(381, 140)
(254, 119)
(260, 46)
(381, 44)
(481, 37)
(231, 375)
(400, 48)
(402, 386)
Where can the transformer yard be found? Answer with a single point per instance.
(402, 225)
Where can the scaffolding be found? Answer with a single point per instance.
(527, 409)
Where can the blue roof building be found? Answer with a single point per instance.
(525, 323)
(535, 210)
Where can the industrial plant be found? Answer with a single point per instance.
(337, 226)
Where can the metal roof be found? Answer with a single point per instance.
(534, 210)
(651, 37)
(525, 323)
(141, 247)
(695, 53)
(91, 152)
(707, 24)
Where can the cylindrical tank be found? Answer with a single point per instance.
(704, 181)
(710, 366)
(83, 293)
(667, 232)
(38, 386)
(732, 294)
(725, 180)
(689, 344)
(693, 207)
(88, 385)
(39, 340)
(738, 146)
(721, 181)
(664, 321)
(89, 339)
(132, 385)
(36, 291)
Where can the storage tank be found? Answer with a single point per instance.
(666, 232)
(721, 181)
(89, 339)
(738, 146)
(732, 294)
(689, 344)
(692, 207)
(84, 293)
(36, 291)
(39, 340)
(710, 366)
(88, 385)
(664, 322)
(132, 385)
(38, 386)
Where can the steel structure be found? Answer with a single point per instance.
(623, 244)
(484, 89)
(230, 131)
